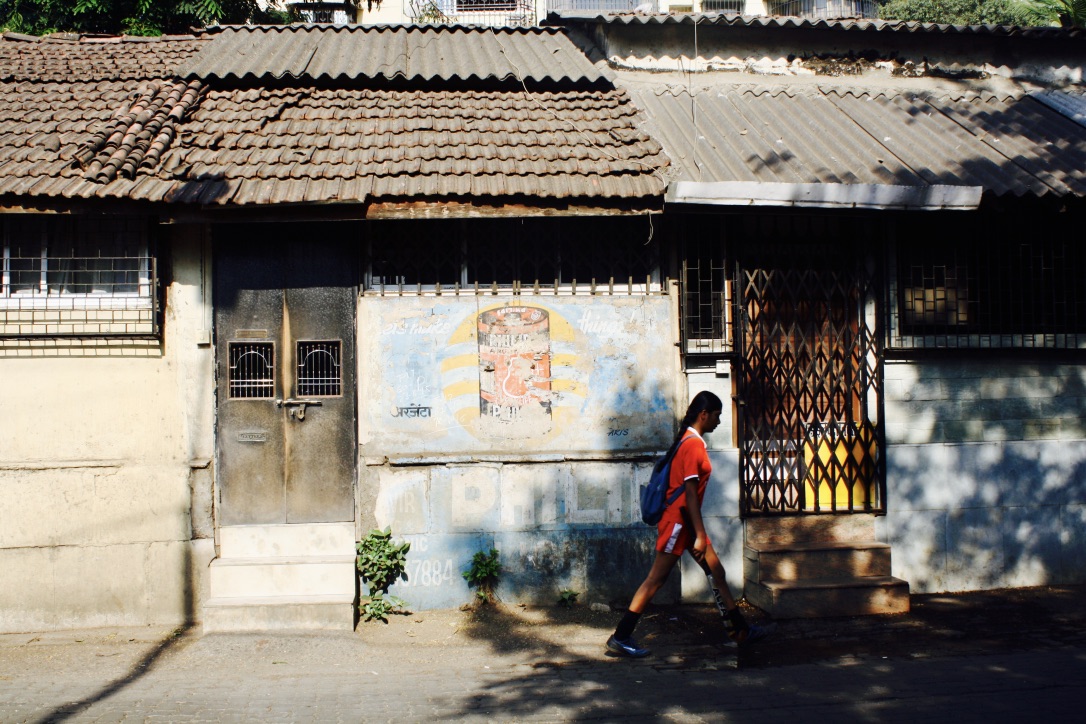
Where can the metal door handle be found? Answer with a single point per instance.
(297, 414)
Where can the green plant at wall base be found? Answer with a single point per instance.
(381, 562)
(568, 597)
(483, 574)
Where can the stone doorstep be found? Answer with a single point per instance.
(825, 597)
(826, 559)
(279, 613)
(281, 540)
(316, 575)
(781, 530)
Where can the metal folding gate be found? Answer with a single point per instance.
(809, 381)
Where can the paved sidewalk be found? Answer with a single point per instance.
(512, 664)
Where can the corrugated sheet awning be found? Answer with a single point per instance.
(422, 52)
(1008, 146)
(784, 21)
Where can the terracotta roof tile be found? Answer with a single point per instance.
(164, 141)
(52, 59)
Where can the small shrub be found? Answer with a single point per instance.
(568, 597)
(381, 562)
(483, 575)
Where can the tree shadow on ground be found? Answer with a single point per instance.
(566, 668)
(138, 670)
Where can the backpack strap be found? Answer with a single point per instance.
(671, 499)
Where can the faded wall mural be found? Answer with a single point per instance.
(447, 376)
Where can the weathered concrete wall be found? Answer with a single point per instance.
(103, 447)
(986, 473)
(452, 377)
(525, 425)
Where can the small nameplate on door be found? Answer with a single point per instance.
(251, 334)
(253, 436)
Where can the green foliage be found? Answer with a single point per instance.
(956, 12)
(483, 574)
(130, 17)
(568, 597)
(381, 562)
(1066, 13)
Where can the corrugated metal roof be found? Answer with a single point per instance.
(428, 52)
(1008, 146)
(843, 24)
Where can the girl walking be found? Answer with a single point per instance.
(681, 529)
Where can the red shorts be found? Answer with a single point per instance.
(674, 534)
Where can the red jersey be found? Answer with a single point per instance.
(691, 461)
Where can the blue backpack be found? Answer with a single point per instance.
(654, 500)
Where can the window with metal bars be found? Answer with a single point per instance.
(537, 256)
(251, 374)
(318, 369)
(707, 297)
(77, 277)
(989, 293)
(712, 248)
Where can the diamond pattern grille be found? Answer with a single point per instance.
(809, 384)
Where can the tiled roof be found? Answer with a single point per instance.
(261, 146)
(139, 132)
(1007, 145)
(426, 53)
(71, 58)
(843, 24)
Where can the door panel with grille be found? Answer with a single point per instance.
(809, 382)
(284, 320)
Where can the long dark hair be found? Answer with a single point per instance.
(704, 401)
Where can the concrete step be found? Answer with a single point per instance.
(764, 531)
(277, 613)
(286, 540)
(817, 598)
(835, 559)
(309, 576)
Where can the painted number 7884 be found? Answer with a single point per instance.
(429, 572)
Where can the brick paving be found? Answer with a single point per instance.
(539, 666)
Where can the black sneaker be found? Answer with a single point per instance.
(755, 633)
(626, 647)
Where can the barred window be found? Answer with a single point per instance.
(74, 276)
(539, 256)
(1011, 293)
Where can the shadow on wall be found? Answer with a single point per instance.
(558, 525)
(598, 545)
(990, 489)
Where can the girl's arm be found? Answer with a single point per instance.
(693, 509)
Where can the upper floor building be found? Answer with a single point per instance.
(532, 12)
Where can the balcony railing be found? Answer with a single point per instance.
(494, 13)
(601, 6)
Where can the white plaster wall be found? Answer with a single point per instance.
(986, 473)
(101, 443)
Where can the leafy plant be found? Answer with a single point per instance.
(568, 597)
(381, 562)
(132, 17)
(958, 12)
(483, 574)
